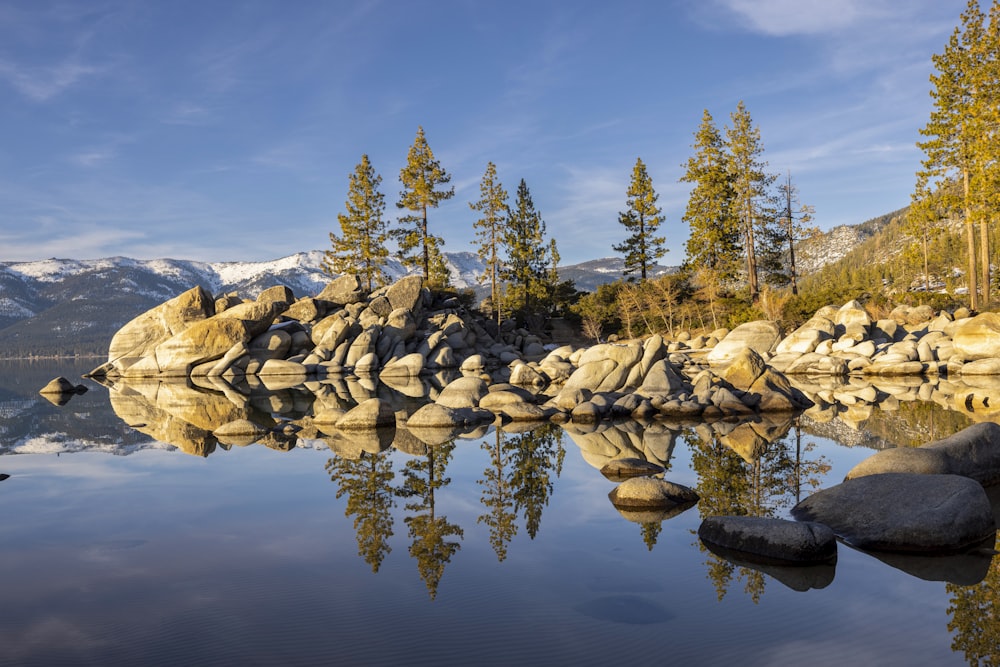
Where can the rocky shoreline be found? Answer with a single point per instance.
(404, 338)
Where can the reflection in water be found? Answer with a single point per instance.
(537, 454)
(367, 482)
(975, 618)
(429, 532)
(749, 469)
(498, 497)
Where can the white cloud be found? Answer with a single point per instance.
(799, 17)
(41, 84)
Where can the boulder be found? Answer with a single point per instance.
(744, 369)
(978, 337)
(373, 413)
(973, 452)
(760, 336)
(61, 385)
(408, 366)
(465, 392)
(652, 493)
(139, 337)
(343, 291)
(406, 293)
(904, 512)
(433, 415)
(773, 541)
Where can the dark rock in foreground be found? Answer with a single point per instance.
(904, 512)
(770, 541)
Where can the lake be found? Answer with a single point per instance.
(495, 549)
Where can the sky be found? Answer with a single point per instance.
(226, 130)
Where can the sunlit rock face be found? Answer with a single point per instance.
(978, 337)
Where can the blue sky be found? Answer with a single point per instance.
(226, 130)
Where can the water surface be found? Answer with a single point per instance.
(498, 549)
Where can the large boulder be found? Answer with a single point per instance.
(760, 336)
(973, 452)
(770, 540)
(406, 293)
(141, 335)
(978, 337)
(904, 512)
(464, 392)
(343, 291)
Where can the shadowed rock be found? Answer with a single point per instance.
(619, 470)
(799, 577)
(770, 541)
(903, 512)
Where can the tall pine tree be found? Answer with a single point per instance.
(642, 218)
(422, 180)
(360, 247)
(954, 145)
(526, 268)
(492, 206)
(751, 188)
(714, 242)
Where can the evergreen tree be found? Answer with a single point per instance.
(492, 205)
(956, 145)
(751, 186)
(527, 264)
(714, 241)
(360, 248)
(642, 248)
(422, 180)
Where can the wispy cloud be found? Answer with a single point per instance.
(799, 17)
(42, 83)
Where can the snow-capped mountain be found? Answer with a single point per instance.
(66, 306)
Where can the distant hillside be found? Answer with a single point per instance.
(73, 307)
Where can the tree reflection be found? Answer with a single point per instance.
(429, 532)
(535, 455)
(367, 481)
(498, 495)
(751, 470)
(975, 618)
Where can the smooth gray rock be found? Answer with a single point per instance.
(369, 414)
(464, 392)
(767, 540)
(973, 452)
(903, 512)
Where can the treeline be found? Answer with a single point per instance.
(748, 230)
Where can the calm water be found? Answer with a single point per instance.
(495, 550)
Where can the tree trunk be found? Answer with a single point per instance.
(427, 254)
(970, 246)
(984, 260)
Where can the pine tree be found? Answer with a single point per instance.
(422, 178)
(492, 205)
(360, 248)
(751, 184)
(526, 266)
(794, 215)
(954, 132)
(714, 241)
(642, 248)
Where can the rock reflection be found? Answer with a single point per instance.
(750, 469)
